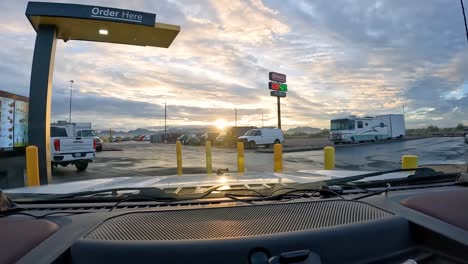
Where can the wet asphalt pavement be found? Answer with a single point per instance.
(146, 159)
(385, 156)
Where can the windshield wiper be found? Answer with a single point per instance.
(333, 188)
(142, 193)
(372, 174)
(420, 175)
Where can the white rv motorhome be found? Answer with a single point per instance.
(358, 129)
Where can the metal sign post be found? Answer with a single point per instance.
(279, 88)
(279, 111)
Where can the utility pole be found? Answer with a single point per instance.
(403, 110)
(235, 114)
(279, 112)
(165, 120)
(110, 135)
(71, 93)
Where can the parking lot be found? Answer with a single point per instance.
(146, 159)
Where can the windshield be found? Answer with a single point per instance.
(202, 93)
(86, 133)
(342, 124)
(251, 132)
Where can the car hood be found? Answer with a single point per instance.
(199, 181)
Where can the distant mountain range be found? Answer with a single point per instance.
(303, 130)
(145, 131)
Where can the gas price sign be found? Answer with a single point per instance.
(277, 83)
(279, 88)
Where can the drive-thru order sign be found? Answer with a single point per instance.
(75, 22)
(91, 12)
(279, 88)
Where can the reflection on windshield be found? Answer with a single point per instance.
(180, 111)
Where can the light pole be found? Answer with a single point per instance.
(235, 117)
(71, 93)
(165, 118)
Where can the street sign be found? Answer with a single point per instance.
(277, 93)
(277, 77)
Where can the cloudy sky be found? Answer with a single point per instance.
(341, 57)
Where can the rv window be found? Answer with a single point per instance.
(366, 124)
(382, 124)
(359, 124)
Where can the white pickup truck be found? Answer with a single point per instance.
(65, 150)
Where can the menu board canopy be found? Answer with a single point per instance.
(14, 111)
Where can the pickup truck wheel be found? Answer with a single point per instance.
(81, 165)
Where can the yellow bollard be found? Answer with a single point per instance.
(278, 157)
(329, 158)
(209, 167)
(179, 157)
(409, 161)
(240, 157)
(32, 166)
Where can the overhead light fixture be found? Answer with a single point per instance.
(103, 32)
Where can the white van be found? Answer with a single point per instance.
(262, 136)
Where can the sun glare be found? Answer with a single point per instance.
(220, 123)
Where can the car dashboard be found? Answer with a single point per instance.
(417, 225)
